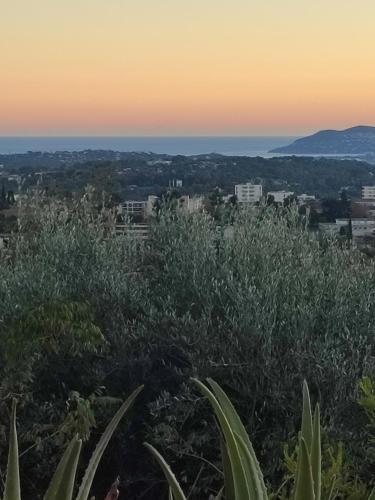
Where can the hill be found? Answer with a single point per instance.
(353, 141)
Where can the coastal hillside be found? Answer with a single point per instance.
(354, 141)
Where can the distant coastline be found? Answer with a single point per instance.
(354, 141)
(229, 146)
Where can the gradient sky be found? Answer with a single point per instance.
(162, 67)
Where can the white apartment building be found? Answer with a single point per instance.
(304, 198)
(150, 204)
(280, 196)
(248, 193)
(368, 193)
(360, 227)
(133, 207)
(139, 231)
(195, 204)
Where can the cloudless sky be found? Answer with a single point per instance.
(161, 67)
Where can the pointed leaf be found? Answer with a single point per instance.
(304, 489)
(241, 487)
(174, 486)
(12, 489)
(227, 470)
(256, 491)
(237, 427)
(88, 478)
(307, 425)
(372, 495)
(316, 455)
(62, 483)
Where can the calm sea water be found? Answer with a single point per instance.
(242, 146)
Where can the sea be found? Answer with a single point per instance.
(231, 146)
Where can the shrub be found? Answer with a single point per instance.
(258, 305)
(62, 483)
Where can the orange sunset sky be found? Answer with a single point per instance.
(185, 67)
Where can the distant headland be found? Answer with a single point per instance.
(358, 140)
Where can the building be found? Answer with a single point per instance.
(248, 193)
(195, 204)
(139, 231)
(131, 208)
(305, 198)
(175, 183)
(360, 227)
(368, 193)
(150, 204)
(145, 209)
(280, 196)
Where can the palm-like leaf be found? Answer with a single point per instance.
(88, 478)
(304, 489)
(175, 490)
(12, 490)
(62, 483)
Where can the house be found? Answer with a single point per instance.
(248, 193)
(280, 196)
(368, 193)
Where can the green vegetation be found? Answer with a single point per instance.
(63, 481)
(243, 478)
(87, 316)
(136, 175)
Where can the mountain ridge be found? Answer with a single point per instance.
(355, 140)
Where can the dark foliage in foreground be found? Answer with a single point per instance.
(87, 316)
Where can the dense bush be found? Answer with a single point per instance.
(258, 305)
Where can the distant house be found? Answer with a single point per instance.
(131, 208)
(360, 227)
(248, 193)
(304, 198)
(280, 196)
(368, 193)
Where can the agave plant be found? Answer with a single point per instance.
(63, 481)
(243, 478)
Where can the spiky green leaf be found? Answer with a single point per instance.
(12, 489)
(241, 487)
(316, 455)
(62, 483)
(255, 487)
(88, 478)
(238, 428)
(174, 486)
(304, 489)
(227, 470)
(307, 424)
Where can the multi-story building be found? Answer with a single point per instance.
(305, 198)
(248, 193)
(360, 227)
(131, 208)
(280, 196)
(368, 193)
(195, 204)
(139, 231)
(144, 209)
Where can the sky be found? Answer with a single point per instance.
(185, 67)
